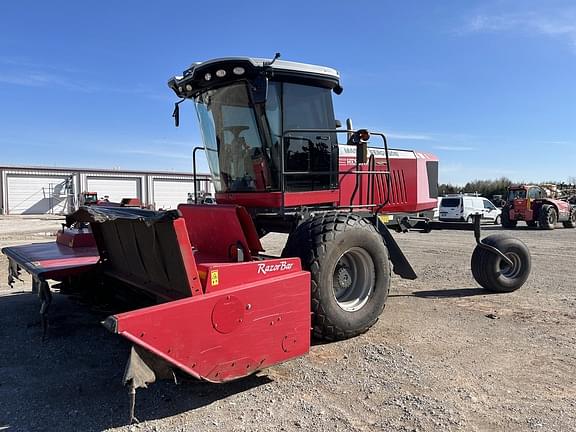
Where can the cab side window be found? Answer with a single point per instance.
(313, 155)
(534, 193)
(488, 205)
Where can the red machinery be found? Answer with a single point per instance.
(91, 198)
(529, 203)
(208, 301)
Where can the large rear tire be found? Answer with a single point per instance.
(548, 217)
(571, 222)
(495, 274)
(505, 218)
(350, 272)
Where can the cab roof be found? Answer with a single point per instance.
(521, 186)
(221, 71)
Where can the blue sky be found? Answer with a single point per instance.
(489, 86)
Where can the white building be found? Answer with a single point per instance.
(43, 190)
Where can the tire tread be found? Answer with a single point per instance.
(309, 242)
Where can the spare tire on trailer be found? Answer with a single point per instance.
(350, 272)
(494, 273)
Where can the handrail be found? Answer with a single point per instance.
(370, 172)
(194, 173)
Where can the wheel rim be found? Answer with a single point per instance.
(353, 279)
(551, 218)
(511, 271)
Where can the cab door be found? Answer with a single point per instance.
(310, 158)
(490, 210)
(534, 193)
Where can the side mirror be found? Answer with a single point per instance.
(360, 140)
(176, 112)
(338, 124)
(362, 152)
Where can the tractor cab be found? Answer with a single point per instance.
(271, 141)
(89, 198)
(520, 201)
(522, 197)
(524, 192)
(245, 106)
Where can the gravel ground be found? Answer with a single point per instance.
(445, 355)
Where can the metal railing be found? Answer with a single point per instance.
(370, 172)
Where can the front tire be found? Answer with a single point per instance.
(495, 274)
(505, 218)
(498, 220)
(350, 272)
(571, 222)
(548, 217)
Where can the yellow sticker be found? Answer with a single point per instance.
(214, 277)
(384, 218)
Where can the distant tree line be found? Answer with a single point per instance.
(486, 188)
(489, 188)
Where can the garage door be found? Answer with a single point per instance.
(167, 194)
(37, 195)
(115, 188)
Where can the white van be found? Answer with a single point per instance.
(460, 208)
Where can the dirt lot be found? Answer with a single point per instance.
(445, 355)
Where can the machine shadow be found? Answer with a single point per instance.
(165, 399)
(511, 230)
(73, 380)
(452, 293)
(447, 293)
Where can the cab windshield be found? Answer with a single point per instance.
(516, 194)
(233, 140)
(243, 139)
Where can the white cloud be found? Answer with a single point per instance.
(42, 79)
(23, 72)
(189, 144)
(49, 80)
(451, 167)
(157, 153)
(409, 136)
(445, 137)
(558, 143)
(24, 62)
(404, 135)
(561, 25)
(454, 148)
